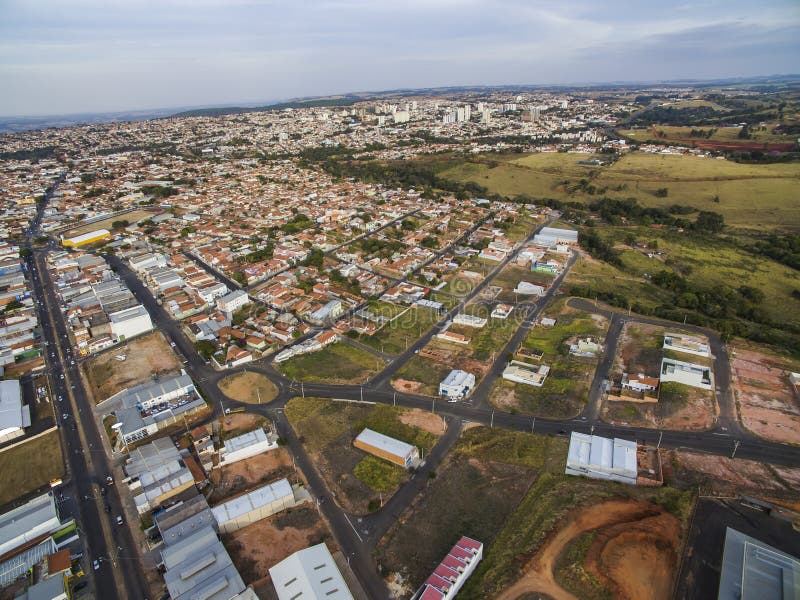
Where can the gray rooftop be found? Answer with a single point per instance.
(752, 569)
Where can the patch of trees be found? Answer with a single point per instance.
(34, 154)
(261, 254)
(614, 211)
(297, 224)
(316, 258)
(120, 224)
(782, 248)
(599, 248)
(158, 191)
(380, 247)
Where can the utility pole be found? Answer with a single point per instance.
(362, 392)
(433, 405)
(258, 391)
(491, 423)
(660, 435)
(302, 390)
(394, 399)
(533, 424)
(735, 448)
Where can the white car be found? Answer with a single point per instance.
(96, 565)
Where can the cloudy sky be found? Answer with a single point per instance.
(59, 57)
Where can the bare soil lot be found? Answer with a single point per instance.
(767, 404)
(249, 473)
(145, 357)
(248, 387)
(29, 466)
(632, 554)
(257, 547)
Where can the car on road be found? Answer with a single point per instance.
(65, 416)
(108, 508)
(119, 520)
(109, 480)
(96, 565)
(79, 586)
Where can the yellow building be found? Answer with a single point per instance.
(86, 238)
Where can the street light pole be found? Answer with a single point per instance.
(533, 424)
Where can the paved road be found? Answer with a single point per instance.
(726, 402)
(86, 457)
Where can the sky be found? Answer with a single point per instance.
(80, 56)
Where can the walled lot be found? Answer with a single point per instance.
(690, 180)
(251, 473)
(146, 356)
(327, 429)
(248, 387)
(767, 403)
(263, 544)
(679, 406)
(29, 466)
(564, 392)
(337, 363)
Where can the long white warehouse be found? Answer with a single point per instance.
(602, 458)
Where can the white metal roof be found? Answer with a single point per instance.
(309, 574)
(385, 443)
(27, 522)
(264, 496)
(11, 414)
(240, 442)
(456, 377)
(602, 457)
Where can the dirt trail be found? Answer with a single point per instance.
(538, 576)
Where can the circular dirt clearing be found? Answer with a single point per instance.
(248, 387)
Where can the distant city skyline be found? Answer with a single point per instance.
(91, 56)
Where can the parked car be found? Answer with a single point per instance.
(96, 565)
(119, 520)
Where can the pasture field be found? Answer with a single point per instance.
(757, 197)
(337, 363)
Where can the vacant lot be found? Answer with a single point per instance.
(257, 547)
(496, 467)
(249, 473)
(327, 429)
(512, 275)
(543, 547)
(145, 357)
(565, 391)
(394, 337)
(30, 466)
(690, 180)
(679, 406)
(337, 363)
(130, 217)
(248, 387)
(768, 406)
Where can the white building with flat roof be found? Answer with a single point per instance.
(130, 322)
(602, 458)
(522, 372)
(687, 344)
(469, 321)
(698, 376)
(457, 384)
(309, 574)
(232, 302)
(14, 416)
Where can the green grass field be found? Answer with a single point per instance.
(722, 134)
(758, 197)
(337, 363)
(29, 466)
(396, 336)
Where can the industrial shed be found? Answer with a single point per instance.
(387, 448)
(259, 504)
(309, 573)
(602, 458)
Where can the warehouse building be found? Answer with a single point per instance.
(457, 384)
(26, 536)
(199, 567)
(86, 238)
(388, 448)
(14, 415)
(182, 519)
(130, 322)
(157, 473)
(752, 569)
(552, 236)
(246, 445)
(522, 372)
(310, 573)
(253, 506)
(448, 578)
(602, 458)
